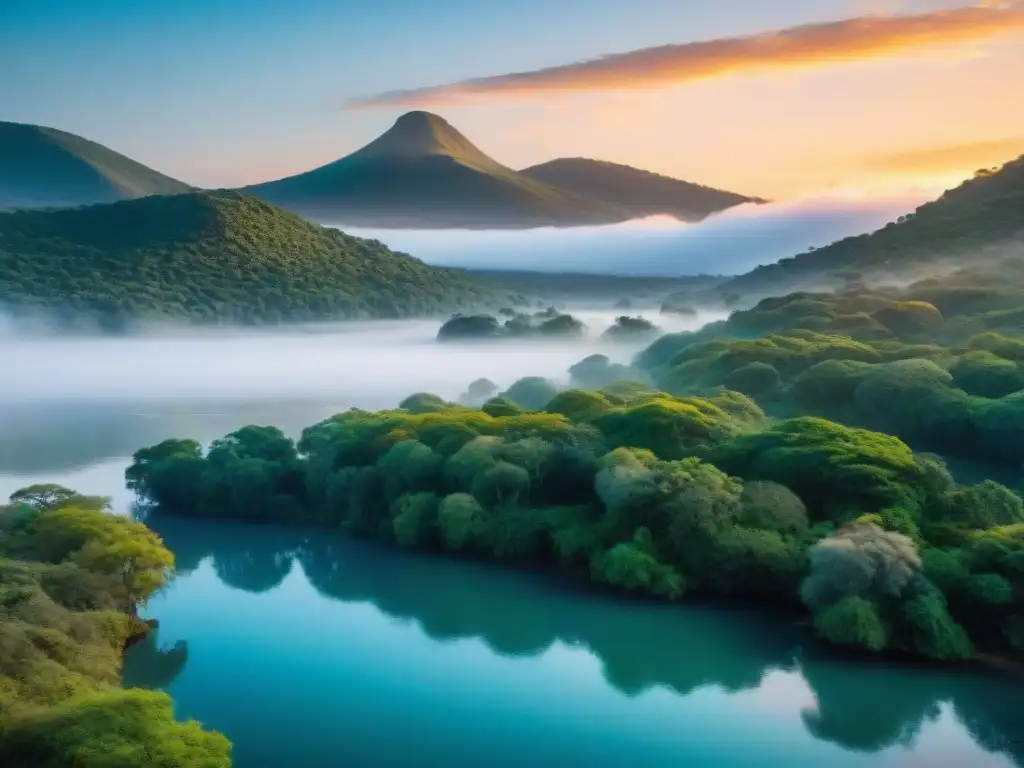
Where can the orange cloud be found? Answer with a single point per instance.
(811, 45)
(964, 158)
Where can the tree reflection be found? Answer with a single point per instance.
(147, 664)
(865, 705)
(35, 435)
(868, 705)
(861, 704)
(250, 559)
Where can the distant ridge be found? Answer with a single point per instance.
(423, 172)
(642, 193)
(43, 167)
(210, 257)
(979, 223)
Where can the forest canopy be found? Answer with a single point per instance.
(72, 575)
(642, 490)
(211, 257)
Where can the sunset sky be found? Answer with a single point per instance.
(781, 99)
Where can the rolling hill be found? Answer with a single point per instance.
(642, 193)
(210, 257)
(43, 167)
(423, 173)
(978, 225)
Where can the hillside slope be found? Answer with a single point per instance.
(642, 193)
(423, 173)
(44, 167)
(210, 257)
(978, 224)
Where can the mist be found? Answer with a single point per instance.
(730, 243)
(354, 364)
(68, 404)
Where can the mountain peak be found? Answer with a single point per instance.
(422, 120)
(45, 167)
(422, 134)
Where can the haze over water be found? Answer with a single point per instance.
(308, 649)
(365, 365)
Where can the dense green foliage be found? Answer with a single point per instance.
(938, 364)
(207, 257)
(549, 323)
(648, 492)
(71, 577)
(629, 328)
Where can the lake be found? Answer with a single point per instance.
(309, 649)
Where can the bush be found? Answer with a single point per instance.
(562, 326)
(626, 328)
(469, 327)
(753, 379)
(986, 375)
(532, 392)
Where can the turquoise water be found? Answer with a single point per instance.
(309, 649)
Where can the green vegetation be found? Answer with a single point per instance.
(938, 363)
(71, 577)
(628, 328)
(642, 193)
(44, 167)
(208, 257)
(548, 324)
(659, 494)
(979, 220)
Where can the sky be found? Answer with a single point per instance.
(783, 99)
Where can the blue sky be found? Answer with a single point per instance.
(233, 91)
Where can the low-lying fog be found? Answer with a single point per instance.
(732, 242)
(364, 364)
(69, 402)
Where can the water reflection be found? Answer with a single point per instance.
(63, 437)
(151, 665)
(862, 706)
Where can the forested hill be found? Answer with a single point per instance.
(44, 167)
(206, 257)
(980, 222)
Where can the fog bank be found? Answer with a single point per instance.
(367, 364)
(730, 243)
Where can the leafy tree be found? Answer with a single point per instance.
(43, 495)
(860, 560)
(463, 522)
(627, 328)
(631, 566)
(772, 507)
(853, 621)
(415, 518)
(125, 729)
(424, 402)
(532, 392)
(562, 326)
(753, 378)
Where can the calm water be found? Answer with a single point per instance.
(308, 649)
